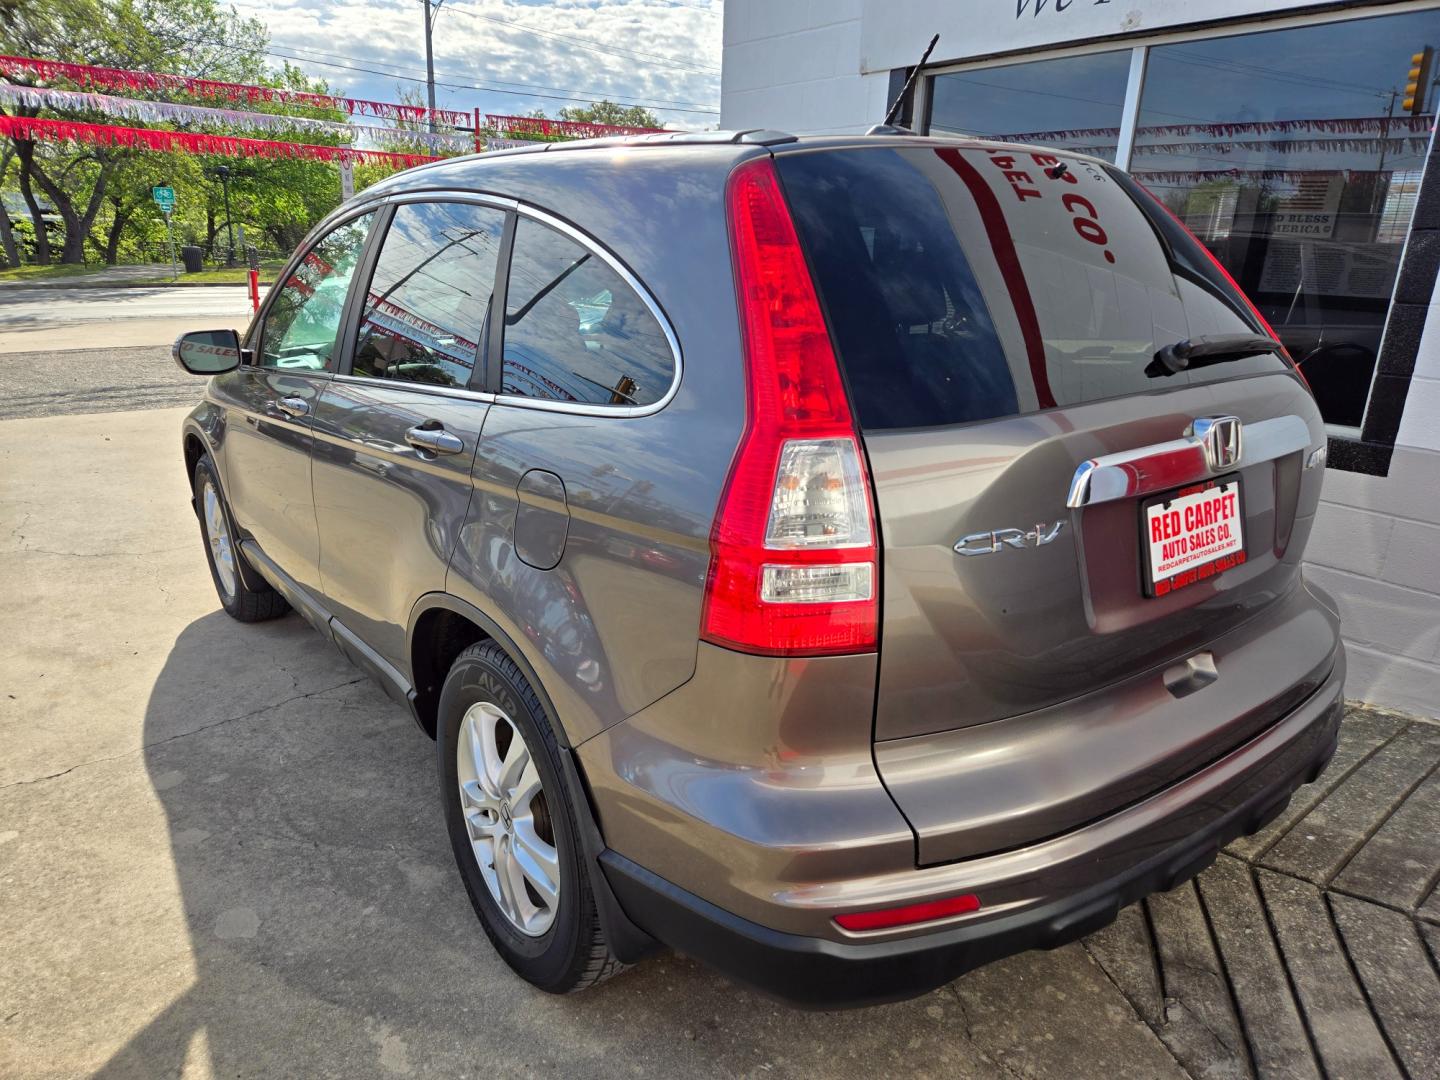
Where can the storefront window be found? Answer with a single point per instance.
(1299, 167)
(1074, 102)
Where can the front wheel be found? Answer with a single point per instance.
(223, 553)
(513, 826)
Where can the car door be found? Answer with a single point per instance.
(270, 402)
(588, 538)
(396, 430)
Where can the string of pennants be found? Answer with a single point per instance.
(1411, 144)
(195, 142)
(102, 78)
(1343, 126)
(402, 146)
(1284, 176)
(166, 112)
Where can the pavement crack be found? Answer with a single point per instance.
(182, 734)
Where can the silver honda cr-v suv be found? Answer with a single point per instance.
(845, 560)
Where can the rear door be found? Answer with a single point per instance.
(997, 315)
(396, 432)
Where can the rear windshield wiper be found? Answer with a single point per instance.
(1203, 351)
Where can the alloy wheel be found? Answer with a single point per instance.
(508, 819)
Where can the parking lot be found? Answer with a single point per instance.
(221, 852)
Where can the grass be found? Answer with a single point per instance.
(236, 275)
(44, 273)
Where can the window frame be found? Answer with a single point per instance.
(485, 380)
(254, 338)
(365, 270)
(1369, 448)
(497, 340)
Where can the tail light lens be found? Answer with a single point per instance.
(793, 552)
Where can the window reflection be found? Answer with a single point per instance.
(1299, 168)
(1073, 102)
(574, 330)
(304, 321)
(429, 297)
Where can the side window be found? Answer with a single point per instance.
(425, 311)
(574, 330)
(303, 323)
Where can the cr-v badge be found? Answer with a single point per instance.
(986, 542)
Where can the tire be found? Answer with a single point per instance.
(240, 602)
(557, 946)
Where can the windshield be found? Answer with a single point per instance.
(965, 284)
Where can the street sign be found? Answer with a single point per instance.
(164, 198)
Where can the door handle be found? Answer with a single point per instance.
(293, 406)
(431, 438)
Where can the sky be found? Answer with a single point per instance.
(510, 56)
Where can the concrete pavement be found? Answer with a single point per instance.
(35, 320)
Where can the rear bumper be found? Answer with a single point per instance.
(1148, 847)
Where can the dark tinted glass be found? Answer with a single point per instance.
(425, 313)
(1074, 102)
(968, 284)
(574, 330)
(1299, 167)
(304, 321)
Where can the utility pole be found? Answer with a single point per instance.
(432, 12)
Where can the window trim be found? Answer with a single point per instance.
(490, 378)
(254, 338)
(344, 371)
(657, 312)
(1370, 448)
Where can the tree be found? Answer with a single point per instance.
(187, 37)
(608, 112)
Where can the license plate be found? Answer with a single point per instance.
(1192, 534)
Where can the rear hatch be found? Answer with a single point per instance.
(997, 314)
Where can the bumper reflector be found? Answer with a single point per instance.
(909, 914)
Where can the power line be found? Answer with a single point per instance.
(592, 45)
(358, 66)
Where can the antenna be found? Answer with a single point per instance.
(905, 90)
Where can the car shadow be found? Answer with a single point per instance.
(329, 931)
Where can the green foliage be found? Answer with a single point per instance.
(608, 112)
(97, 200)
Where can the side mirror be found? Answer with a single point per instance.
(207, 352)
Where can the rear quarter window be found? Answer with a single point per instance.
(964, 284)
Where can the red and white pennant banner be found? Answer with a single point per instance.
(567, 129)
(194, 142)
(89, 75)
(168, 112)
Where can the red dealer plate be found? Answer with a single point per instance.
(1191, 534)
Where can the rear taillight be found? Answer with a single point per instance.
(1264, 322)
(793, 555)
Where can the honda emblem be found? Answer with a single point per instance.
(1221, 439)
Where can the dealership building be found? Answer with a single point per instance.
(1297, 141)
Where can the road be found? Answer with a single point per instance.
(35, 320)
(85, 350)
(222, 854)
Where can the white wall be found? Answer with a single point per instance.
(794, 65)
(1376, 548)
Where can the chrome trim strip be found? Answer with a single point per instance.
(420, 388)
(589, 244)
(1148, 469)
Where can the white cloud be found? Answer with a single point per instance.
(588, 49)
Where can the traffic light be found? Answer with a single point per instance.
(1417, 82)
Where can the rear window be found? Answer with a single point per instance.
(969, 284)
